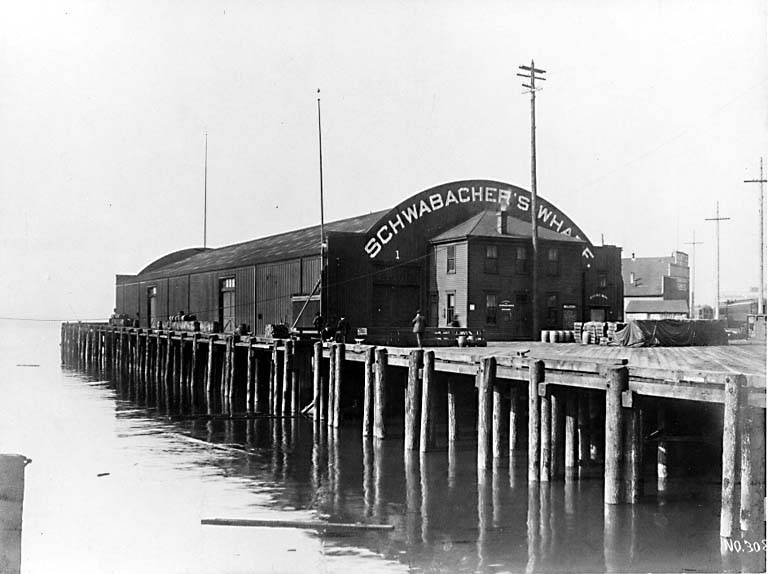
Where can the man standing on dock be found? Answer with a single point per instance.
(419, 326)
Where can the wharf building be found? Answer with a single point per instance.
(656, 287)
(458, 251)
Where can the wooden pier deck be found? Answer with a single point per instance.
(579, 405)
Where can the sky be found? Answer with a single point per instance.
(651, 113)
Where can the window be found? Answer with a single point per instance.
(553, 261)
(491, 259)
(491, 308)
(602, 280)
(552, 310)
(450, 304)
(521, 260)
(451, 264)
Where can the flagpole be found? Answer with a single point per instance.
(322, 212)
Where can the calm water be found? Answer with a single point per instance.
(164, 477)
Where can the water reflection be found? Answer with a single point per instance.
(447, 515)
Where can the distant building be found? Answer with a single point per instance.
(656, 279)
(674, 309)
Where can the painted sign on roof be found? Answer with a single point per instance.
(431, 211)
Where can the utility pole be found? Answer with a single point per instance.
(761, 181)
(692, 284)
(717, 219)
(532, 75)
(322, 209)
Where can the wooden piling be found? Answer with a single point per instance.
(571, 438)
(545, 415)
(731, 407)
(259, 391)
(453, 434)
(379, 395)
(427, 439)
(182, 371)
(498, 421)
(514, 418)
(317, 397)
(535, 376)
(617, 383)
(595, 447)
(486, 379)
(288, 406)
(583, 428)
(412, 400)
(250, 379)
(661, 449)
(210, 391)
(337, 383)
(558, 435)
(331, 384)
(297, 361)
(368, 390)
(168, 394)
(226, 373)
(752, 516)
(277, 382)
(633, 452)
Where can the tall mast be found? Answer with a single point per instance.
(205, 196)
(322, 209)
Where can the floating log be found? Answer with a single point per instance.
(303, 524)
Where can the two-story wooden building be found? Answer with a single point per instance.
(462, 248)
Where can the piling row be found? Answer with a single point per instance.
(570, 430)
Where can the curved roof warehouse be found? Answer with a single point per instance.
(459, 251)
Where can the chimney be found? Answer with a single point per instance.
(501, 222)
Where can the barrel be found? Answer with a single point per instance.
(545, 336)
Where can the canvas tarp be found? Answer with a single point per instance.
(671, 333)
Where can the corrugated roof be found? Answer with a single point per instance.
(483, 224)
(273, 248)
(659, 306)
(648, 275)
